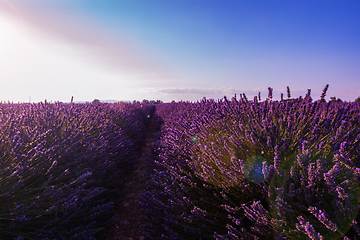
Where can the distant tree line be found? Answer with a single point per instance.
(256, 98)
(95, 101)
(149, 101)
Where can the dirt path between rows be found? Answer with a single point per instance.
(129, 224)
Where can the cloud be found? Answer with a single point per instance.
(209, 91)
(198, 93)
(193, 91)
(194, 94)
(109, 48)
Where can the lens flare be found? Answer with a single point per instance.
(10, 8)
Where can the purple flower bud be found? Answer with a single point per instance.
(270, 93)
(307, 229)
(288, 92)
(341, 192)
(268, 142)
(305, 146)
(322, 97)
(235, 220)
(323, 219)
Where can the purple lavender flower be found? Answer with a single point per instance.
(323, 219)
(308, 229)
(288, 92)
(270, 93)
(323, 94)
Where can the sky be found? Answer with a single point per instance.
(185, 50)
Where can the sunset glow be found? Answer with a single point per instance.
(177, 50)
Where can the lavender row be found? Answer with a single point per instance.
(62, 167)
(240, 169)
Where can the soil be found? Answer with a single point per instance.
(129, 223)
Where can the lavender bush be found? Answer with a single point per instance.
(239, 169)
(62, 167)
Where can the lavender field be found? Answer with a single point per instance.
(226, 169)
(240, 169)
(63, 167)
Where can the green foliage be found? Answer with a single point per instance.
(333, 99)
(300, 186)
(151, 101)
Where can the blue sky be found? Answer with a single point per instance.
(177, 49)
